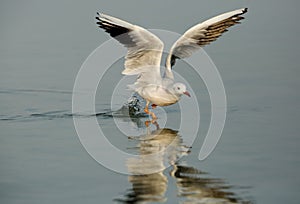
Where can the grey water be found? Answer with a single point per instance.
(43, 45)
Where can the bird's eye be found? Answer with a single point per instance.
(178, 88)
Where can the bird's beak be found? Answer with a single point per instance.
(187, 93)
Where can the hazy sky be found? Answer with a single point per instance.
(268, 36)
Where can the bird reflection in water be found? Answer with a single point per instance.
(159, 149)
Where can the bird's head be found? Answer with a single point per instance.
(179, 89)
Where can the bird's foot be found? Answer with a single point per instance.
(153, 121)
(147, 123)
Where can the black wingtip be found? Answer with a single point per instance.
(245, 10)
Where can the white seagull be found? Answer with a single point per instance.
(145, 50)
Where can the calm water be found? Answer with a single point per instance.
(43, 45)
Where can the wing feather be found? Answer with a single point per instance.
(200, 35)
(144, 49)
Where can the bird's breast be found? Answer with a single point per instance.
(158, 95)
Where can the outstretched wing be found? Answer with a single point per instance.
(201, 35)
(144, 48)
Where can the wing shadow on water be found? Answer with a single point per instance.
(193, 185)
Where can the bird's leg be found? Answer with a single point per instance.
(146, 109)
(153, 116)
(156, 124)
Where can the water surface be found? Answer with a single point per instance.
(44, 43)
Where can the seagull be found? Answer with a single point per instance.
(144, 52)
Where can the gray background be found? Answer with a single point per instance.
(44, 43)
